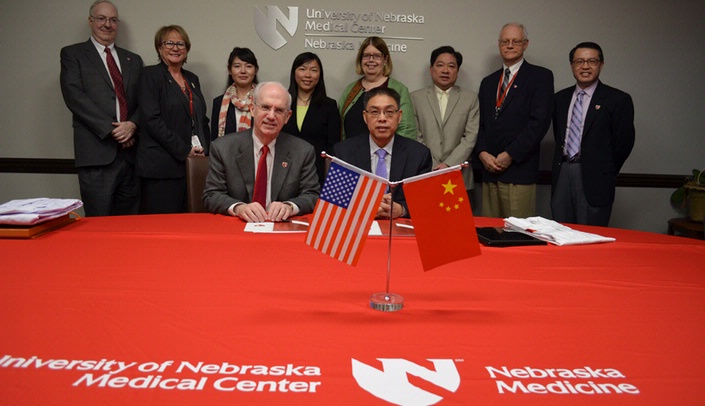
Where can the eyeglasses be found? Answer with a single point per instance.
(277, 110)
(172, 44)
(103, 19)
(374, 57)
(387, 113)
(514, 42)
(580, 62)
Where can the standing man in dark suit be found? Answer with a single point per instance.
(593, 125)
(515, 113)
(393, 157)
(447, 116)
(99, 85)
(262, 174)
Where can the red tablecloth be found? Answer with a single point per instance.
(198, 312)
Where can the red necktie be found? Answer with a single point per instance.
(117, 83)
(260, 195)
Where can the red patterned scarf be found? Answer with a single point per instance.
(243, 106)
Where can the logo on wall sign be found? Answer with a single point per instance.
(392, 382)
(266, 24)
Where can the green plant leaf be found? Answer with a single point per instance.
(678, 198)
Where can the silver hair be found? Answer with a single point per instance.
(260, 85)
(96, 2)
(523, 29)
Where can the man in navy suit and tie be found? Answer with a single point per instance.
(99, 85)
(515, 113)
(392, 157)
(593, 125)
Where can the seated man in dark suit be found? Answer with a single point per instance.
(262, 174)
(394, 158)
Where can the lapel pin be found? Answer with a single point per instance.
(285, 164)
(597, 107)
(515, 86)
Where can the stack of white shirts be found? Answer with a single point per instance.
(27, 212)
(553, 232)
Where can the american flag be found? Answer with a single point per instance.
(344, 211)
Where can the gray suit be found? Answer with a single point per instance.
(231, 173)
(88, 92)
(452, 138)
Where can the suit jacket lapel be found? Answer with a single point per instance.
(125, 63)
(362, 158)
(311, 112)
(176, 89)
(517, 83)
(562, 107)
(593, 109)
(280, 166)
(245, 160)
(399, 158)
(453, 98)
(95, 58)
(433, 102)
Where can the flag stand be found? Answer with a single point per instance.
(388, 302)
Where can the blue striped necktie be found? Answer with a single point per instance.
(572, 144)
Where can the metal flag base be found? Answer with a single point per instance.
(386, 302)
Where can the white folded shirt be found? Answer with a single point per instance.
(28, 212)
(553, 232)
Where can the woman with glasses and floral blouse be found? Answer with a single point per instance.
(173, 124)
(374, 62)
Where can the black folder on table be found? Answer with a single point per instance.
(498, 237)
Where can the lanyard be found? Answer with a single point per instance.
(190, 97)
(500, 95)
(187, 91)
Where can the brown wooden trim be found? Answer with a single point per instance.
(643, 180)
(66, 166)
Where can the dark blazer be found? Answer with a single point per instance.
(608, 139)
(166, 137)
(409, 158)
(521, 124)
(89, 94)
(321, 128)
(231, 172)
(230, 118)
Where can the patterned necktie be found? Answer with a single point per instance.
(381, 169)
(117, 83)
(572, 143)
(260, 194)
(505, 82)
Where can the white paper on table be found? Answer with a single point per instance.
(553, 232)
(269, 227)
(33, 211)
(265, 227)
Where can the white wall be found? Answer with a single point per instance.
(653, 50)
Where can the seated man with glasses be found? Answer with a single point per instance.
(383, 152)
(262, 174)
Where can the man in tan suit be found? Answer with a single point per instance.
(447, 116)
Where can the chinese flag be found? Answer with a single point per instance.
(442, 217)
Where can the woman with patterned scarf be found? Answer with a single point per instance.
(231, 111)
